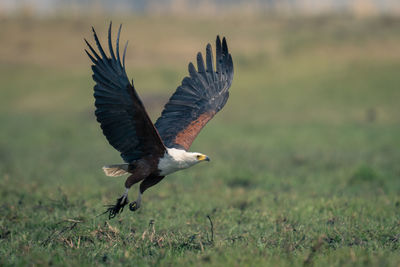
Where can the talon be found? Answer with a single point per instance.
(113, 210)
(133, 206)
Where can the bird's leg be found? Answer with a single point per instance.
(148, 182)
(125, 196)
(135, 205)
(113, 210)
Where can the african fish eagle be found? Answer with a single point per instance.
(152, 151)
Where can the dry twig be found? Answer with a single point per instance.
(212, 230)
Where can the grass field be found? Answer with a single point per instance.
(305, 155)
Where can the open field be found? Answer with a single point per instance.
(305, 155)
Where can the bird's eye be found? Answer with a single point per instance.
(198, 157)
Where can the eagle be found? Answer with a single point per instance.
(152, 151)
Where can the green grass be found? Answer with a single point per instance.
(305, 156)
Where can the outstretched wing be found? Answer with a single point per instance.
(197, 99)
(121, 114)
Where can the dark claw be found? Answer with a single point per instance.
(133, 206)
(113, 210)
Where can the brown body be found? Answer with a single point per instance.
(143, 170)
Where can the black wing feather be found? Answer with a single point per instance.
(204, 93)
(119, 110)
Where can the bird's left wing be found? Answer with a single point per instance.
(121, 113)
(197, 99)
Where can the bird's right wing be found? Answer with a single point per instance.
(120, 112)
(198, 98)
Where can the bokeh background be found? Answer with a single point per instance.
(305, 155)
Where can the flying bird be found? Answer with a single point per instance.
(152, 151)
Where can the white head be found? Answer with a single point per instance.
(193, 158)
(178, 159)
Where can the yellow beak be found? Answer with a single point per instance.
(203, 157)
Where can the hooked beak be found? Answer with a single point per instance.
(203, 158)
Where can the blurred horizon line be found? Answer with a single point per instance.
(43, 8)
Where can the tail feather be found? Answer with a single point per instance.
(116, 169)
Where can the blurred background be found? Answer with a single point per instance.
(306, 7)
(316, 88)
(312, 122)
(314, 80)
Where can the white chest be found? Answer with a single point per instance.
(174, 160)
